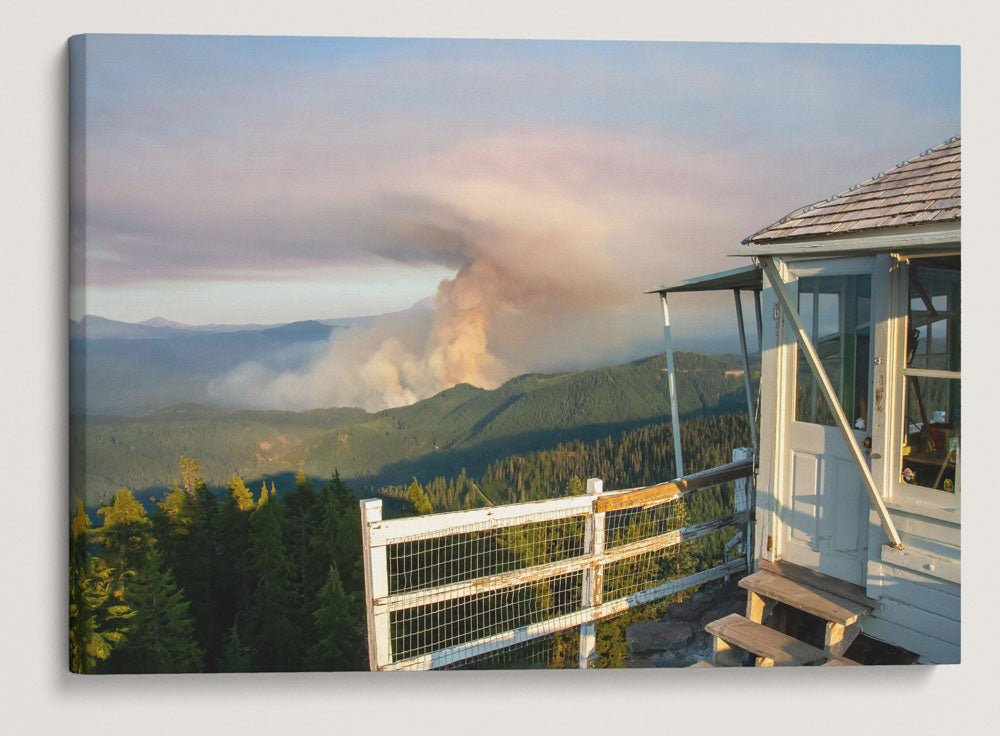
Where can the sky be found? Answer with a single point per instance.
(528, 190)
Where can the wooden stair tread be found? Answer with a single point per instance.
(764, 642)
(819, 581)
(821, 603)
(702, 663)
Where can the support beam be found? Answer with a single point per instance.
(746, 368)
(672, 389)
(830, 396)
(838, 638)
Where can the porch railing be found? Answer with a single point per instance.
(445, 590)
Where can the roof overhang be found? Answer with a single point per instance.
(745, 278)
(944, 235)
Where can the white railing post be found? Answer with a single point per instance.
(742, 501)
(593, 575)
(376, 587)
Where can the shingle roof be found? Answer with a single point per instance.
(924, 189)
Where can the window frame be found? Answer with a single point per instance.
(943, 502)
(824, 266)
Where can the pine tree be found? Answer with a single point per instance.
(341, 527)
(416, 496)
(190, 475)
(160, 636)
(235, 657)
(240, 493)
(575, 487)
(186, 526)
(271, 635)
(234, 536)
(300, 516)
(95, 617)
(338, 626)
(126, 534)
(79, 567)
(125, 538)
(106, 615)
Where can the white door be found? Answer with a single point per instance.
(824, 509)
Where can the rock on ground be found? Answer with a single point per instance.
(679, 638)
(655, 636)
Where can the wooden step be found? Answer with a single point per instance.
(771, 647)
(819, 581)
(820, 603)
(702, 663)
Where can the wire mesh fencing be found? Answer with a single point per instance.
(558, 651)
(522, 585)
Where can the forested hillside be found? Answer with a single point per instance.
(636, 458)
(461, 427)
(236, 579)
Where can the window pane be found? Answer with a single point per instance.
(836, 312)
(932, 424)
(934, 316)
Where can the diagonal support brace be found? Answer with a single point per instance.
(826, 388)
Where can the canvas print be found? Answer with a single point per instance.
(418, 354)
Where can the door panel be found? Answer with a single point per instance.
(847, 531)
(805, 498)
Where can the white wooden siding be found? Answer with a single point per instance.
(918, 587)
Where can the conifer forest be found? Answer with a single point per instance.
(242, 577)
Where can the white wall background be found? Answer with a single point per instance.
(39, 696)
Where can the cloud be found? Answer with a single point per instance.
(233, 159)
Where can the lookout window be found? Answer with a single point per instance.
(836, 312)
(932, 414)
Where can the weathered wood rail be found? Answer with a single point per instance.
(590, 563)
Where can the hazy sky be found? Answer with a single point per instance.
(245, 179)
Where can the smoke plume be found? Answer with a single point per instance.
(533, 227)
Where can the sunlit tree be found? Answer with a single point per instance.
(416, 496)
(159, 637)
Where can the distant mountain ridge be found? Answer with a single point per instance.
(94, 327)
(133, 368)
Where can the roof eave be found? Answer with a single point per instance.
(745, 278)
(903, 238)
